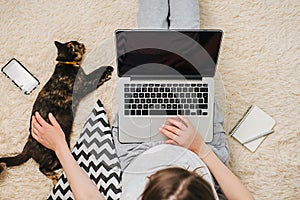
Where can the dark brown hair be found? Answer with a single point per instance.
(177, 184)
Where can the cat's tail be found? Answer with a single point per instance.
(14, 160)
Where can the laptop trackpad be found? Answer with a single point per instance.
(156, 123)
(135, 129)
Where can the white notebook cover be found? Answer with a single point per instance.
(254, 122)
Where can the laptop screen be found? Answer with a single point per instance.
(167, 53)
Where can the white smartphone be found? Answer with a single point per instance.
(20, 76)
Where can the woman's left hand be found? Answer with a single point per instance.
(181, 132)
(49, 135)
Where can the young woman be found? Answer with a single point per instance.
(180, 132)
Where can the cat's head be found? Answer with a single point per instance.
(69, 51)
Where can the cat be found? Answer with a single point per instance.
(60, 96)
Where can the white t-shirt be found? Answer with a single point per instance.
(159, 157)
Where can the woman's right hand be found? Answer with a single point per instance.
(49, 135)
(181, 132)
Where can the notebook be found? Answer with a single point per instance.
(253, 123)
(163, 73)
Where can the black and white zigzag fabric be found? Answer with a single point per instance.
(95, 152)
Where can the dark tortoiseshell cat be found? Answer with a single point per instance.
(60, 96)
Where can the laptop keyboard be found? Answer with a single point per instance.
(165, 99)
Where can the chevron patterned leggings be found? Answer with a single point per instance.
(95, 153)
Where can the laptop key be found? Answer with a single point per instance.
(187, 112)
(203, 89)
(163, 112)
(202, 106)
(144, 112)
(126, 112)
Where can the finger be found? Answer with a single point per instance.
(172, 129)
(35, 124)
(172, 142)
(40, 120)
(34, 134)
(176, 123)
(53, 120)
(185, 120)
(169, 134)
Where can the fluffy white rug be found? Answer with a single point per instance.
(259, 64)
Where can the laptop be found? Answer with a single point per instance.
(162, 74)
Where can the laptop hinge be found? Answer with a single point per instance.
(166, 78)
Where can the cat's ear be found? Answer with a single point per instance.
(58, 44)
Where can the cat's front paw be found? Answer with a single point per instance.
(107, 74)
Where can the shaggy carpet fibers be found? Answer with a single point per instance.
(259, 64)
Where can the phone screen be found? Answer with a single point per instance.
(20, 76)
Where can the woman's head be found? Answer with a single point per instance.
(177, 184)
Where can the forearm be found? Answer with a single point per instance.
(230, 184)
(53, 137)
(81, 185)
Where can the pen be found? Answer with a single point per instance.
(259, 136)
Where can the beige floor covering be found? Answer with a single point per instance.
(259, 64)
